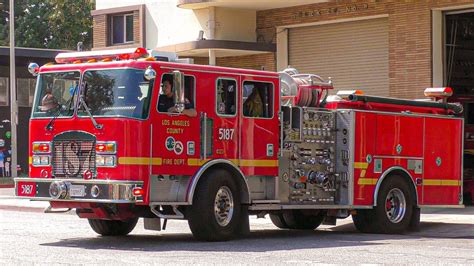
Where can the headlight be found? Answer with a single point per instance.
(105, 161)
(41, 160)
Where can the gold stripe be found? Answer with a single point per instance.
(362, 173)
(367, 181)
(441, 182)
(30, 160)
(259, 163)
(361, 165)
(139, 161)
(196, 162)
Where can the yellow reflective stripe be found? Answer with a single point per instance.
(259, 163)
(361, 165)
(30, 160)
(139, 161)
(156, 161)
(441, 182)
(196, 162)
(367, 181)
(362, 173)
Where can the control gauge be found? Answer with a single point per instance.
(306, 116)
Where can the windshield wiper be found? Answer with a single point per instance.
(83, 103)
(61, 108)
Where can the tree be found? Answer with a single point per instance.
(54, 24)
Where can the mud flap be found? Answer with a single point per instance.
(415, 220)
(244, 225)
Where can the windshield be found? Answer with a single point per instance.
(55, 90)
(116, 92)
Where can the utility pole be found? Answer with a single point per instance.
(13, 102)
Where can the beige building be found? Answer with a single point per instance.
(385, 47)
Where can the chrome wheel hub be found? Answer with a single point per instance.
(223, 206)
(395, 205)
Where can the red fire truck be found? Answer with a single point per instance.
(125, 134)
(467, 102)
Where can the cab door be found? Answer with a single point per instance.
(259, 126)
(225, 119)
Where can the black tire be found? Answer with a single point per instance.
(296, 219)
(467, 199)
(112, 227)
(203, 220)
(278, 221)
(393, 214)
(361, 220)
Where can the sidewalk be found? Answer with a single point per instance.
(9, 202)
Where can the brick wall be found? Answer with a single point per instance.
(410, 52)
(99, 35)
(257, 62)
(267, 61)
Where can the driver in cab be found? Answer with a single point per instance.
(166, 101)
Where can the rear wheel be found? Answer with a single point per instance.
(394, 210)
(112, 227)
(297, 219)
(278, 221)
(216, 211)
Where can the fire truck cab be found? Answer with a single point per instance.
(121, 135)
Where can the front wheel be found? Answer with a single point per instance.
(112, 227)
(216, 211)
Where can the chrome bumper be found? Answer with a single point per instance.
(77, 190)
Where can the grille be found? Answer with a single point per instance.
(72, 157)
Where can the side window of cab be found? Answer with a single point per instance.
(257, 99)
(226, 97)
(166, 100)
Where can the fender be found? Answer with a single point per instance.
(245, 195)
(387, 173)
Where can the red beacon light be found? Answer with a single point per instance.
(90, 56)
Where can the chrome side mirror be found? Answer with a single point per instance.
(178, 84)
(33, 68)
(150, 73)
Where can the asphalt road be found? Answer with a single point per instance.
(32, 237)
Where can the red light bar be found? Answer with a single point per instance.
(439, 92)
(122, 54)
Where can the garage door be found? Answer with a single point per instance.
(354, 54)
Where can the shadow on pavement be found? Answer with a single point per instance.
(264, 240)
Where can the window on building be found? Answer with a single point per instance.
(226, 96)
(257, 99)
(25, 91)
(122, 29)
(3, 91)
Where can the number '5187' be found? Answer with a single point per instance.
(226, 133)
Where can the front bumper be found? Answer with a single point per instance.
(77, 190)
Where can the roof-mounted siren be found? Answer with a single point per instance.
(303, 89)
(439, 94)
(164, 56)
(102, 55)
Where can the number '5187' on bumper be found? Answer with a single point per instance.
(77, 190)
